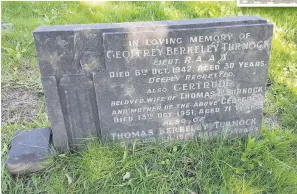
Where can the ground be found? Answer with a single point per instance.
(266, 164)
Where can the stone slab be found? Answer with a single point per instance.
(30, 151)
(154, 91)
(166, 80)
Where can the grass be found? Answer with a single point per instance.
(267, 164)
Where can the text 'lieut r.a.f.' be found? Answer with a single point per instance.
(175, 84)
(167, 80)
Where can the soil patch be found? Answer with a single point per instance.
(19, 105)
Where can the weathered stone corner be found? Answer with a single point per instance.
(30, 151)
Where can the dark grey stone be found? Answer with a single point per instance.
(30, 151)
(55, 114)
(81, 111)
(166, 80)
(6, 25)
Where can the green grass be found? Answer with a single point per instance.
(267, 164)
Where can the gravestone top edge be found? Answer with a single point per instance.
(204, 22)
(186, 28)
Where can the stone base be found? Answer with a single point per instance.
(6, 26)
(30, 151)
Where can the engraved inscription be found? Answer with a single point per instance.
(185, 83)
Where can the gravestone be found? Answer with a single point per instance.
(154, 81)
(268, 3)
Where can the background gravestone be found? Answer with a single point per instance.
(165, 80)
(268, 3)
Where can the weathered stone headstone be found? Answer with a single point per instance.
(168, 80)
